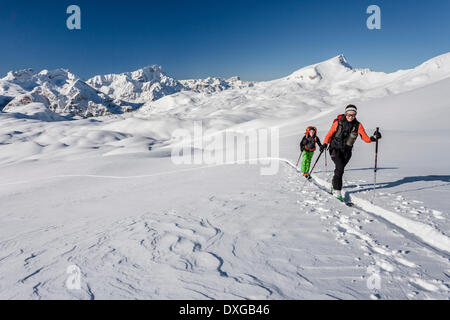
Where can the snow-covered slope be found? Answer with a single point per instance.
(337, 72)
(337, 77)
(103, 194)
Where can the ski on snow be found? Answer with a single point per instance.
(347, 203)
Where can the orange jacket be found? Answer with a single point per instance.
(334, 127)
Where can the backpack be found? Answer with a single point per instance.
(341, 140)
(315, 138)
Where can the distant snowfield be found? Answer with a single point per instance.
(103, 194)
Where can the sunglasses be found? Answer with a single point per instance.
(350, 115)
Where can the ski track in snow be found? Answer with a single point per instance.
(429, 235)
(350, 228)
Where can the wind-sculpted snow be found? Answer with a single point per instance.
(240, 238)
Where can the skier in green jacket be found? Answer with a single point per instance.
(308, 146)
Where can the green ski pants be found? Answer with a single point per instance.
(306, 160)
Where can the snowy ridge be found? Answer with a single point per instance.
(58, 90)
(147, 84)
(321, 85)
(151, 83)
(308, 91)
(213, 84)
(63, 92)
(336, 75)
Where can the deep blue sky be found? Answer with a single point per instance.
(256, 39)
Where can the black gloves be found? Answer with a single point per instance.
(323, 147)
(376, 135)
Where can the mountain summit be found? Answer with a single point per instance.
(326, 70)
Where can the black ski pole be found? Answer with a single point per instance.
(375, 167)
(317, 160)
(298, 159)
(309, 174)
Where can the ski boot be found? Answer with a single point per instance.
(337, 194)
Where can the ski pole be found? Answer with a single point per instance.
(317, 160)
(309, 174)
(375, 167)
(298, 159)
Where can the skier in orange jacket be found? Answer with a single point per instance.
(341, 137)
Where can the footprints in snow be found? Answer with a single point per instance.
(349, 226)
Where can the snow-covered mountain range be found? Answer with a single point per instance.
(320, 84)
(59, 90)
(64, 93)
